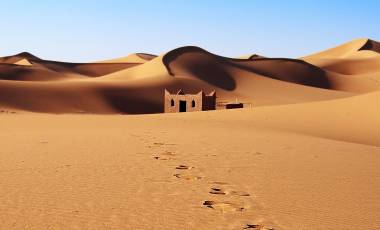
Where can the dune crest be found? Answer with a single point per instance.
(132, 58)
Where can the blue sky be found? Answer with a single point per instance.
(85, 30)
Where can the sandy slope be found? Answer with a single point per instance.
(353, 119)
(119, 172)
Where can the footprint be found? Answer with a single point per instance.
(239, 193)
(187, 176)
(221, 191)
(223, 206)
(158, 143)
(252, 226)
(183, 167)
(219, 182)
(217, 191)
(167, 155)
(163, 158)
(257, 226)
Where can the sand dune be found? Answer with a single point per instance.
(348, 49)
(139, 88)
(359, 56)
(352, 67)
(194, 69)
(135, 84)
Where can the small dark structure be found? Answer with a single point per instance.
(234, 106)
(181, 102)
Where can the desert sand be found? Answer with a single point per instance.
(86, 145)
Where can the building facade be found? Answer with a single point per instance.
(181, 102)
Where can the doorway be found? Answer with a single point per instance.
(182, 106)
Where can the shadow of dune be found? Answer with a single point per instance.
(14, 72)
(134, 100)
(214, 69)
(289, 70)
(201, 64)
(371, 45)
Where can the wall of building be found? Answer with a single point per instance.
(202, 102)
(197, 98)
(209, 102)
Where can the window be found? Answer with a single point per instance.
(193, 104)
(172, 102)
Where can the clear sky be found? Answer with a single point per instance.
(88, 30)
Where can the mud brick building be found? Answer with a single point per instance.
(181, 102)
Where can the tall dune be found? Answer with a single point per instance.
(359, 56)
(353, 66)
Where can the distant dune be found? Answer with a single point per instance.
(18, 57)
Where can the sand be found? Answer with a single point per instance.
(302, 154)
